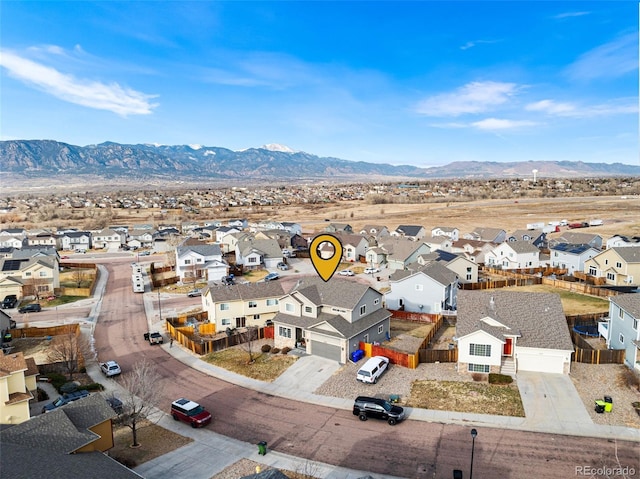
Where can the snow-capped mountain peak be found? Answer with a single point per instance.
(277, 147)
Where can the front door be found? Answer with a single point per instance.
(507, 350)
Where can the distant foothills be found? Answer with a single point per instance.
(24, 160)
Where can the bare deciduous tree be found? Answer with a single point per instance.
(141, 396)
(69, 350)
(79, 276)
(249, 338)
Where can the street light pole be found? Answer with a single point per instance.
(474, 433)
(159, 304)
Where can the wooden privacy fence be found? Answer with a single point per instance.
(501, 283)
(438, 355)
(598, 356)
(31, 332)
(202, 345)
(585, 353)
(416, 317)
(583, 319)
(407, 360)
(579, 287)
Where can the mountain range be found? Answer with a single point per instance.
(31, 159)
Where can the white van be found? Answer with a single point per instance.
(372, 369)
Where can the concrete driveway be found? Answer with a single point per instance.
(552, 404)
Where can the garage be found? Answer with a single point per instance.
(325, 350)
(543, 362)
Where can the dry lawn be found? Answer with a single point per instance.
(265, 367)
(470, 397)
(154, 442)
(572, 303)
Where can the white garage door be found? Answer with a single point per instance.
(540, 363)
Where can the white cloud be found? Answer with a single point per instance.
(571, 14)
(475, 97)
(610, 60)
(112, 97)
(621, 106)
(499, 124)
(551, 107)
(473, 43)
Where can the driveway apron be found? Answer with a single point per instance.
(551, 403)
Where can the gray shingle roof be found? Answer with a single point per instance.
(630, 302)
(63, 430)
(245, 292)
(630, 254)
(20, 462)
(338, 292)
(523, 247)
(538, 317)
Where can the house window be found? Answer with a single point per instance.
(43, 274)
(363, 309)
(380, 329)
(621, 338)
(621, 313)
(365, 339)
(284, 332)
(308, 309)
(478, 368)
(479, 349)
(256, 316)
(289, 307)
(252, 259)
(635, 323)
(272, 302)
(592, 271)
(253, 304)
(419, 287)
(226, 322)
(469, 277)
(618, 265)
(43, 289)
(187, 261)
(376, 301)
(611, 276)
(224, 306)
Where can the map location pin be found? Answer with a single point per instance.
(325, 267)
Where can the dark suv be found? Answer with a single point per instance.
(30, 308)
(190, 412)
(9, 301)
(366, 407)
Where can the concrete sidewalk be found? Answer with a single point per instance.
(546, 409)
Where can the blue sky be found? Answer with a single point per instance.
(420, 83)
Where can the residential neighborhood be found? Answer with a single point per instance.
(241, 275)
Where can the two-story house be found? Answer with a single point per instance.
(619, 266)
(571, 256)
(513, 255)
(396, 253)
(624, 332)
(329, 319)
(621, 241)
(431, 289)
(257, 253)
(108, 239)
(473, 250)
(242, 305)
(411, 232)
(12, 237)
(76, 241)
(200, 261)
(465, 269)
(537, 238)
(492, 235)
(17, 385)
(448, 231)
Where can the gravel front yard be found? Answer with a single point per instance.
(594, 381)
(591, 381)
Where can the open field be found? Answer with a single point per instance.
(618, 213)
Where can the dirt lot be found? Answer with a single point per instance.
(154, 442)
